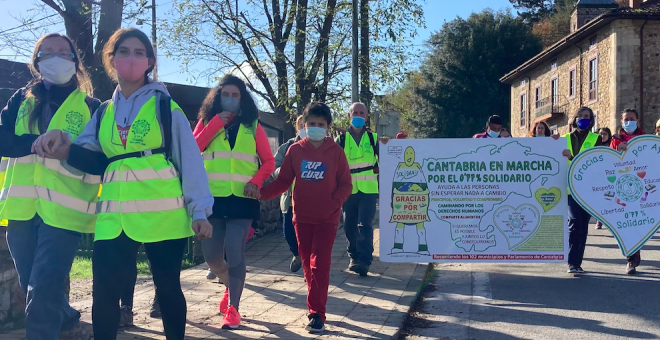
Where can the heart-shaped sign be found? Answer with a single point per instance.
(548, 198)
(619, 189)
(517, 224)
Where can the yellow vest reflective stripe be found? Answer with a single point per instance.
(141, 196)
(3, 171)
(229, 170)
(36, 185)
(589, 142)
(362, 156)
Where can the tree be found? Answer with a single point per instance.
(536, 10)
(307, 41)
(459, 80)
(88, 23)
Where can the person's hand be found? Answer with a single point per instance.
(505, 134)
(252, 191)
(623, 146)
(555, 136)
(52, 144)
(225, 117)
(566, 153)
(384, 139)
(203, 229)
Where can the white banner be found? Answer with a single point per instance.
(620, 189)
(467, 200)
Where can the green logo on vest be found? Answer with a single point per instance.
(586, 145)
(140, 129)
(74, 122)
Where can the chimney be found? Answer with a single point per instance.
(634, 4)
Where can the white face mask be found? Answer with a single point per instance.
(302, 133)
(56, 70)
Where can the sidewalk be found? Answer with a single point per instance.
(274, 305)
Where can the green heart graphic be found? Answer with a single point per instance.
(397, 206)
(517, 224)
(548, 198)
(612, 179)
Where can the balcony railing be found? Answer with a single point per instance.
(554, 105)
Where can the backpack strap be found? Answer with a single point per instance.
(342, 140)
(165, 109)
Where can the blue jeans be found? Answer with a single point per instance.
(290, 232)
(359, 212)
(43, 256)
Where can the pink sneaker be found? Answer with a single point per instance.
(232, 319)
(224, 303)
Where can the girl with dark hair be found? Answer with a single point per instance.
(48, 207)
(606, 135)
(578, 219)
(238, 160)
(539, 129)
(155, 191)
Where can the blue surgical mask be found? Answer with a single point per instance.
(630, 126)
(302, 133)
(231, 104)
(583, 123)
(537, 135)
(493, 134)
(315, 133)
(357, 122)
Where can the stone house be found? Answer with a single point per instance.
(609, 62)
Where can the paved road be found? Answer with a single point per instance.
(541, 301)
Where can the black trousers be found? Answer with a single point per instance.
(578, 228)
(359, 212)
(113, 263)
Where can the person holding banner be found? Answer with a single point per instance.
(628, 131)
(540, 129)
(493, 129)
(578, 219)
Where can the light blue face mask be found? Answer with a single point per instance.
(493, 134)
(357, 122)
(630, 126)
(315, 133)
(231, 104)
(537, 135)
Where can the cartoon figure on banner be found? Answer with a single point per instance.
(410, 202)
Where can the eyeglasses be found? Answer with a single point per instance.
(64, 55)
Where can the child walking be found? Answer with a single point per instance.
(323, 183)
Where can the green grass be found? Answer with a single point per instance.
(82, 266)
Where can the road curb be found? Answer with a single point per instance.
(418, 296)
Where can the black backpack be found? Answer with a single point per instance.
(165, 108)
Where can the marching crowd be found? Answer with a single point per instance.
(131, 171)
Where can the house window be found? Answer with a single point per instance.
(554, 92)
(571, 83)
(523, 109)
(553, 64)
(595, 127)
(523, 82)
(593, 79)
(593, 41)
(537, 96)
(553, 130)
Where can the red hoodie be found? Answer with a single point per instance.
(624, 137)
(323, 181)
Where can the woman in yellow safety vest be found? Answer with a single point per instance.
(154, 185)
(238, 159)
(578, 219)
(48, 207)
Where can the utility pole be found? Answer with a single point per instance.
(153, 36)
(355, 86)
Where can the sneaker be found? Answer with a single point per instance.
(224, 302)
(315, 324)
(232, 319)
(579, 270)
(126, 316)
(155, 309)
(295, 265)
(362, 269)
(210, 275)
(599, 225)
(630, 269)
(572, 270)
(352, 265)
